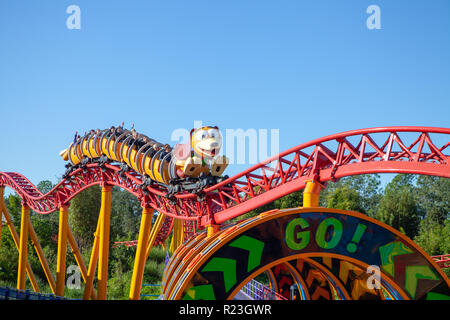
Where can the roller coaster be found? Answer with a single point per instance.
(323, 253)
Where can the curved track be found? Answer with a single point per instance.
(416, 150)
(375, 150)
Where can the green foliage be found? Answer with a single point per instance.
(119, 285)
(9, 258)
(153, 272)
(45, 186)
(83, 216)
(125, 215)
(433, 196)
(359, 193)
(431, 236)
(399, 207)
(346, 199)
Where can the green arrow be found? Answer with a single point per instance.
(413, 274)
(225, 265)
(389, 251)
(253, 246)
(202, 292)
(437, 296)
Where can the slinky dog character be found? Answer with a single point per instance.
(150, 158)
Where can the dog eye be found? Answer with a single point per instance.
(202, 134)
(213, 133)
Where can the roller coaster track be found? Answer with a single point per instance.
(375, 150)
(414, 150)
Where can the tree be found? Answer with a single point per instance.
(46, 225)
(291, 200)
(45, 186)
(398, 207)
(433, 195)
(431, 237)
(126, 213)
(83, 216)
(359, 193)
(345, 198)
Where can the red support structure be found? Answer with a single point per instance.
(132, 243)
(443, 261)
(417, 150)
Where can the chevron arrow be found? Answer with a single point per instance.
(437, 296)
(413, 274)
(202, 292)
(320, 292)
(253, 246)
(225, 265)
(389, 251)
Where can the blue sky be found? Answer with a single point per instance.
(307, 68)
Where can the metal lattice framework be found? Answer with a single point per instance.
(416, 150)
(443, 261)
(375, 150)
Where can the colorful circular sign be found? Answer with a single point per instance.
(233, 257)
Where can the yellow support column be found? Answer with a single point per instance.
(41, 256)
(311, 193)
(92, 263)
(155, 230)
(15, 237)
(175, 235)
(79, 259)
(105, 213)
(23, 245)
(139, 260)
(212, 229)
(62, 250)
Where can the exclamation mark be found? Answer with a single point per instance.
(351, 247)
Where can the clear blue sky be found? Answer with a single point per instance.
(307, 68)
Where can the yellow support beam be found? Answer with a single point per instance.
(41, 256)
(89, 287)
(62, 250)
(311, 194)
(175, 235)
(212, 229)
(79, 259)
(15, 237)
(141, 257)
(105, 213)
(155, 230)
(23, 246)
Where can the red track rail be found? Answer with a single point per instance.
(443, 261)
(375, 150)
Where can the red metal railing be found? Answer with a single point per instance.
(443, 261)
(375, 150)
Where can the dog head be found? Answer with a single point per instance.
(206, 141)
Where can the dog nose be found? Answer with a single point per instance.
(214, 145)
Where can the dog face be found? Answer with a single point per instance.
(206, 141)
